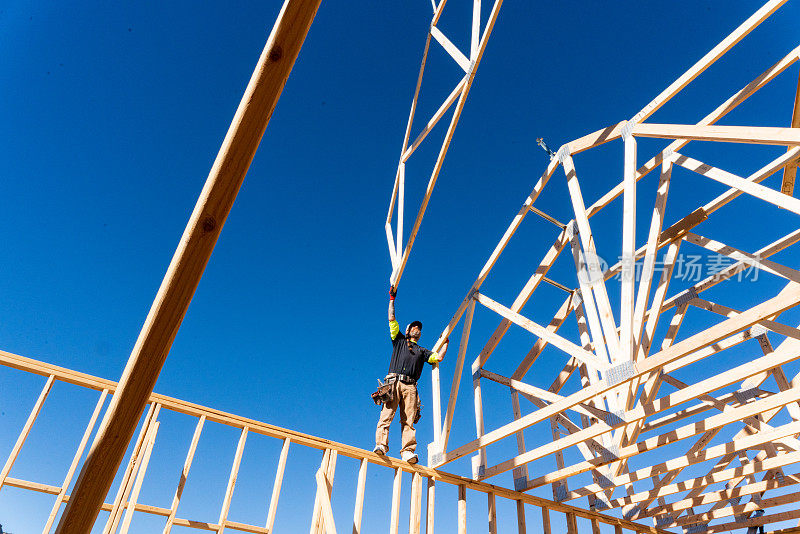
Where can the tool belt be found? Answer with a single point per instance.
(383, 394)
(405, 379)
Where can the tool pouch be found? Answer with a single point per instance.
(418, 415)
(383, 394)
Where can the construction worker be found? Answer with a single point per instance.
(405, 368)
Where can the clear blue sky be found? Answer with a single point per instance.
(112, 115)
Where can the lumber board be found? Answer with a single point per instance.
(709, 58)
(790, 171)
(553, 339)
(763, 135)
(188, 264)
(179, 406)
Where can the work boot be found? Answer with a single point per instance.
(409, 457)
(379, 450)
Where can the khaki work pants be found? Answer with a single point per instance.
(405, 400)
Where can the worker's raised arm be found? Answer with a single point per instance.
(394, 328)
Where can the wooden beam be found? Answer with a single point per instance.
(554, 339)
(26, 429)
(130, 471)
(394, 519)
(276, 487)
(595, 280)
(130, 507)
(415, 508)
(75, 459)
(546, 529)
(430, 507)
(790, 171)
(524, 295)
(763, 520)
(747, 186)
(492, 513)
(187, 464)
(760, 135)
(628, 257)
(476, 29)
(237, 460)
(717, 421)
(462, 509)
(726, 495)
(451, 49)
(188, 264)
(459, 367)
(324, 495)
(180, 406)
(707, 60)
(359, 505)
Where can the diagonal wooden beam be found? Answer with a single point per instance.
(790, 172)
(707, 60)
(524, 295)
(188, 264)
(451, 49)
(595, 281)
(747, 186)
(554, 339)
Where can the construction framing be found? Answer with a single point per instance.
(126, 500)
(616, 396)
(620, 379)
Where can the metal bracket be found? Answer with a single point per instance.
(758, 330)
(619, 373)
(630, 513)
(695, 528)
(600, 503)
(734, 501)
(563, 153)
(435, 458)
(561, 493)
(663, 520)
(604, 482)
(577, 297)
(521, 483)
(610, 453)
(572, 227)
(627, 130)
(743, 395)
(476, 375)
(614, 417)
(685, 296)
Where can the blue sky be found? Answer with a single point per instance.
(112, 116)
